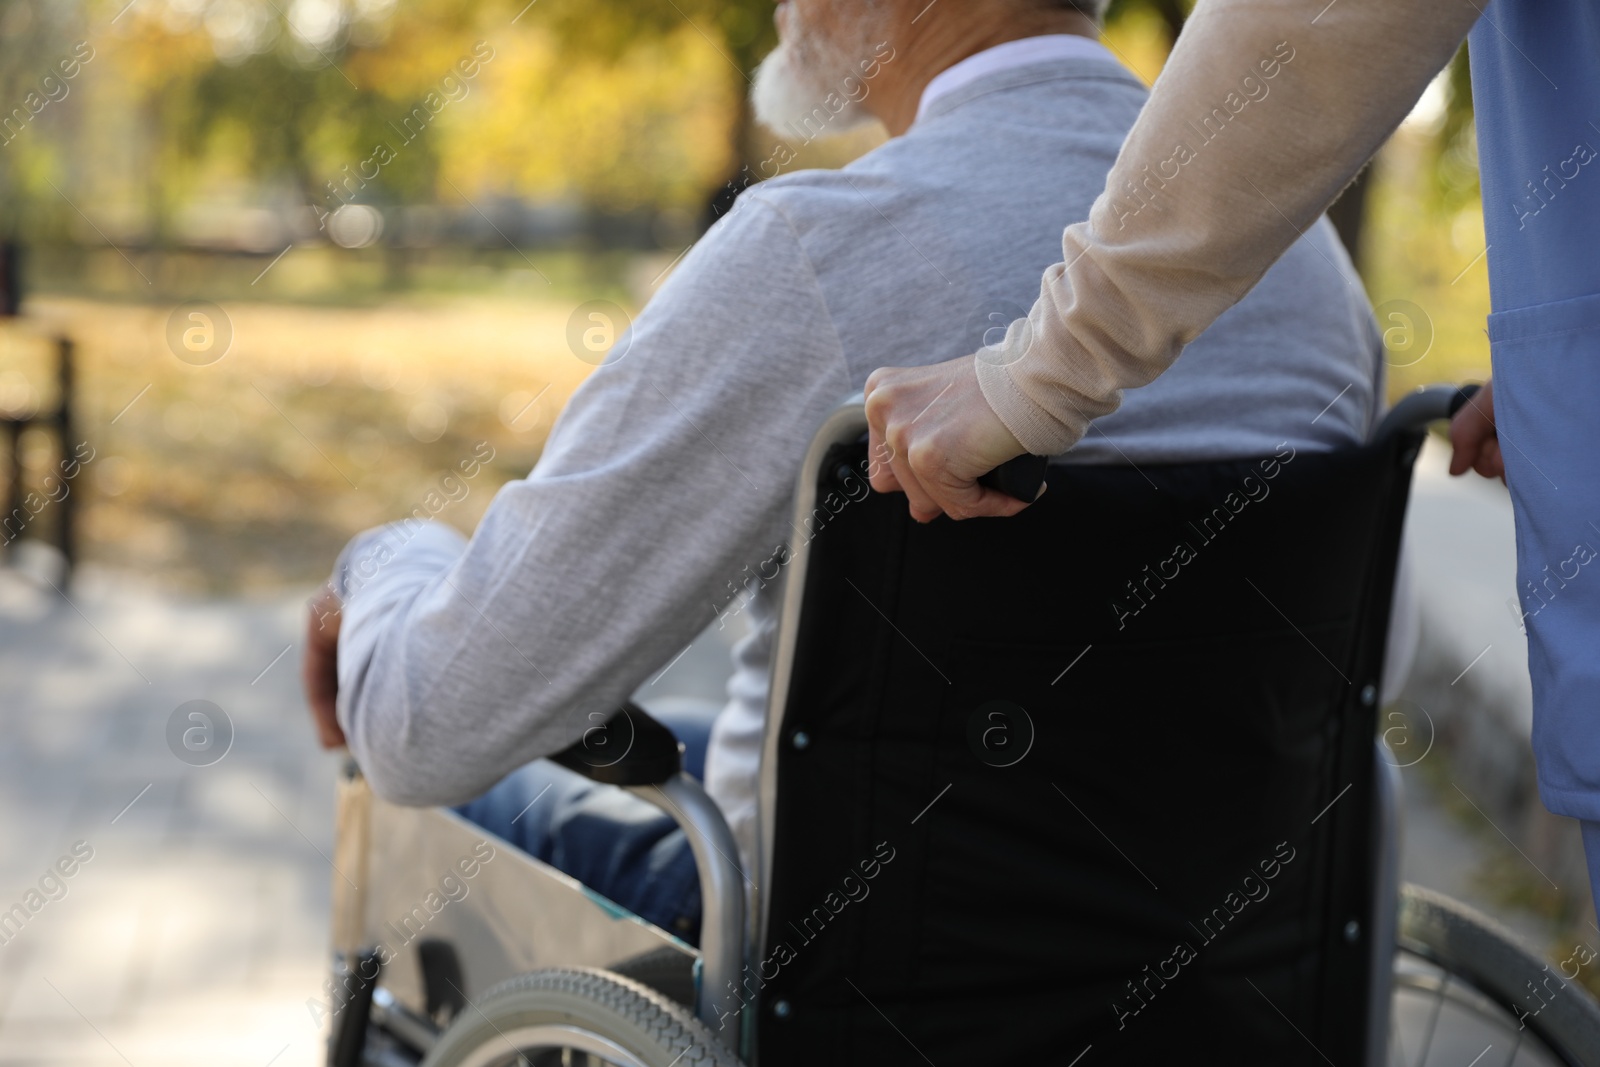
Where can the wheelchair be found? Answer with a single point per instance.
(1097, 784)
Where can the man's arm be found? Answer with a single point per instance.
(1265, 110)
(670, 471)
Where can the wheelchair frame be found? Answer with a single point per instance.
(526, 915)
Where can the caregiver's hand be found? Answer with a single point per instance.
(1473, 440)
(941, 436)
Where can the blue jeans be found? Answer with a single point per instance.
(623, 848)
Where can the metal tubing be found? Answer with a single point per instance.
(716, 860)
(1386, 901)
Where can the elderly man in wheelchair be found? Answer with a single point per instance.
(1094, 784)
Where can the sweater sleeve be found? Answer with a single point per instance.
(665, 484)
(1265, 110)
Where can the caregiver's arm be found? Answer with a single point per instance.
(1265, 110)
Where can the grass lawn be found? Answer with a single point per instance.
(318, 422)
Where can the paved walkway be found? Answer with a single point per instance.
(197, 931)
(198, 928)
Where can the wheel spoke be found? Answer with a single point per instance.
(1433, 1020)
(1516, 1046)
(1397, 1050)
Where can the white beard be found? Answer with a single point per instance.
(793, 82)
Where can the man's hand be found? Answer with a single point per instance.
(1473, 440)
(320, 669)
(941, 436)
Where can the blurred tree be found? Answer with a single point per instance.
(644, 130)
(299, 96)
(605, 101)
(1172, 13)
(1455, 142)
(36, 36)
(741, 31)
(617, 104)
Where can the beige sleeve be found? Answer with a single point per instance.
(1265, 110)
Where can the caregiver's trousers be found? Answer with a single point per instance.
(1536, 91)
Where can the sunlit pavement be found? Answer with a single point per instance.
(196, 932)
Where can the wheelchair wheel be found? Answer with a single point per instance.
(666, 970)
(1465, 992)
(577, 1017)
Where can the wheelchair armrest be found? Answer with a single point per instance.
(630, 748)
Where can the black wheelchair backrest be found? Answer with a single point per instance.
(1095, 778)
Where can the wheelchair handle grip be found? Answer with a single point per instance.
(1463, 396)
(1019, 477)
